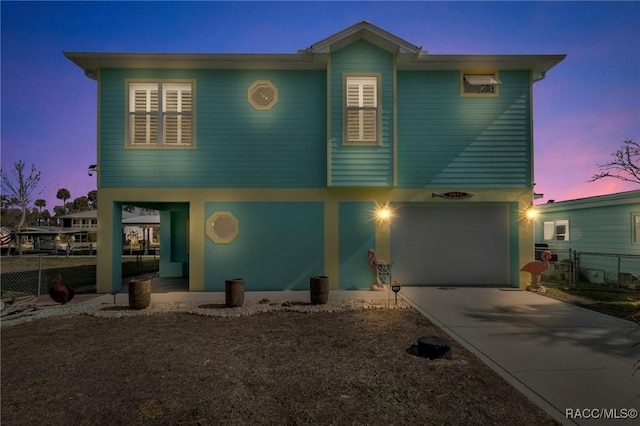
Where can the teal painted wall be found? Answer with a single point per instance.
(174, 256)
(237, 146)
(280, 245)
(598, 229)
(360, 165)
(357, 235)
(445, 139)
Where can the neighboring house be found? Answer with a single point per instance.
(599, 224)
(135, 229)
(271, 167)
(141, 233)
(604, 230)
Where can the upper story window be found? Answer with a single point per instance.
(361, 110)
(479, 84)
(161, 114)
(635, 227)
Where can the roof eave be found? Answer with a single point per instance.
(91, 62)
(538, 64)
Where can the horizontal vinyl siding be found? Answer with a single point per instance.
(445, 139)
(362, 165)
(599, 229)
(236, 146)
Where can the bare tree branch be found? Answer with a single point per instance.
(20, 186)
(624, 166)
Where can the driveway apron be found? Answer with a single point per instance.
(574, 363)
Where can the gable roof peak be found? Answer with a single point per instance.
(364, 30)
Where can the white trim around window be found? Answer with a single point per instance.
(479, 84)
(160, 114)
(635, 228)
(361, 109)
(557, 230)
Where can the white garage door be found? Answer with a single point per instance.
(451, 244)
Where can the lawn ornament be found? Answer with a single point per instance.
(536, 268)
(379, 267)
(59, 292)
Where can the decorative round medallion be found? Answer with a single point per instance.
(222, 227)
(262, 95)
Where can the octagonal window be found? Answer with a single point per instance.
(222, 227)
(263, 95)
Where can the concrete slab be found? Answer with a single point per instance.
(560, 356)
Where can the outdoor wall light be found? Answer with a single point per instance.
(531, 212)
(93, 169)
(383, 213)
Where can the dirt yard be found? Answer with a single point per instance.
(351, 367)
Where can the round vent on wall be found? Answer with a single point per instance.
(262, 94)
(222, 227)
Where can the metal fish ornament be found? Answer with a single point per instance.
(453, 195)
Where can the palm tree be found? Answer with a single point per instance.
(81, 204)
(40, 203)
(93, 199)
(63, 194)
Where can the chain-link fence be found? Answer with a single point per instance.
(594, 270)
(27, 282)
(561, 268)
(34, 275)
(604, 270)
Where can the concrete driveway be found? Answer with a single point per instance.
(572, 362)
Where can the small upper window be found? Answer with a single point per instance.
(361, 118)
(160, 114)
(635, 226)
(480, 84)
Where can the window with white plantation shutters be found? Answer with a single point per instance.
(143, 113)
(177, 114)
(361, 110)
(160, 114)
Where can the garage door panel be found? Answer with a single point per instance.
(451, 244)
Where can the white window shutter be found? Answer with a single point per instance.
(177, 119)
(143, 109)
(362, 109)
(160, 113)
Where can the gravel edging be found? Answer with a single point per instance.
(206, 309)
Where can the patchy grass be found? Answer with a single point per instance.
(11, 264)
(621, 304)
(277, 368)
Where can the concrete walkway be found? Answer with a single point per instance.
(561, 356)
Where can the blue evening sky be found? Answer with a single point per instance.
(583, 110)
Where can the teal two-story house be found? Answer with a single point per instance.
(279, 167)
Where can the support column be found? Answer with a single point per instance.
(196, 234)
(331, 245)
(109, 263)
